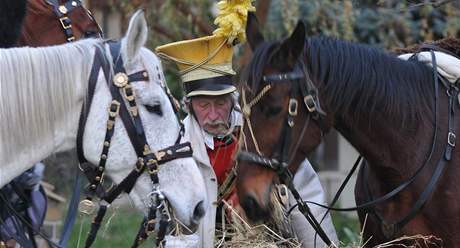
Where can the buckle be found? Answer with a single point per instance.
(129, 93)
(139, 165)
(292, 109)
(86, 207)
(65, 21)
(114, 108)
(152, 169)
(451, 137)
(283, 194)
(310, 103)
(150, 226)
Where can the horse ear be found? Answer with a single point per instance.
(135, 37)
(253, 34)
(292, 47)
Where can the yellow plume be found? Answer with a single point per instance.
(232, 19)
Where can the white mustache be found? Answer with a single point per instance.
(218, 122)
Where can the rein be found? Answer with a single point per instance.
(124, 106)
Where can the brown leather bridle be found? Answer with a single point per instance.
(281, 157)
(62, 10)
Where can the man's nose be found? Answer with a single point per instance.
(213, 114)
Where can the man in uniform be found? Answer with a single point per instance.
(212, 126)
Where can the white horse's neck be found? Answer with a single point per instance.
(41, 94)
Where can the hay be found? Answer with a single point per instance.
(236, 232)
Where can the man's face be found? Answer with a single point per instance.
(212, 113)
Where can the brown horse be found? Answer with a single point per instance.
(394, 112)
(53, 22)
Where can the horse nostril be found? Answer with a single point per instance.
(198, 212)
(251, 207)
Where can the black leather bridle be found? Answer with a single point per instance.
(284, 149)
(123, 105)
(62, 10)
(389, 228)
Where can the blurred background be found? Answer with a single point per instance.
(387, 24)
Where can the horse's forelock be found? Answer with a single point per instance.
(260, 60)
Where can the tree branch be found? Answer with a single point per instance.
(203, 26)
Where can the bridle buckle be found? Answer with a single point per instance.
(451, 139)
(153, 166)
(114, 108)
(140, 165)
(310, 103)
(293, 106)
(65, 22)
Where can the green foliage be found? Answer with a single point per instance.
(120, 231)
(348, 229)
(387, 24)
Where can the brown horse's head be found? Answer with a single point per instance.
(274, 106)
(42, 26)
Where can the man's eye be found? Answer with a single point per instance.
(272, 111)
(204, 105)
(155, 109)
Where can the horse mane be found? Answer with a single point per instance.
(358, 79)
(12, 15)
(37, 90)
(361, 79)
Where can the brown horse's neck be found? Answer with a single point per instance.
(378, 102)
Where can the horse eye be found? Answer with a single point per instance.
(155, 109)
(272, 111)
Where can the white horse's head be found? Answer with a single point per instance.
(42, 91)
(180, 179)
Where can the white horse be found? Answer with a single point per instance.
(41, 95)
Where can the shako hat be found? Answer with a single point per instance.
(205, 63)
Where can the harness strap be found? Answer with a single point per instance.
(95, 225)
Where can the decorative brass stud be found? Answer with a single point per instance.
(74, 3)
(106, 143)
(97, 179)
(120, 79)
(93, 186)
(103, 156)
(101, 168)
(63, 9)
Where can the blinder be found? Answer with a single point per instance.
(124, 105)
